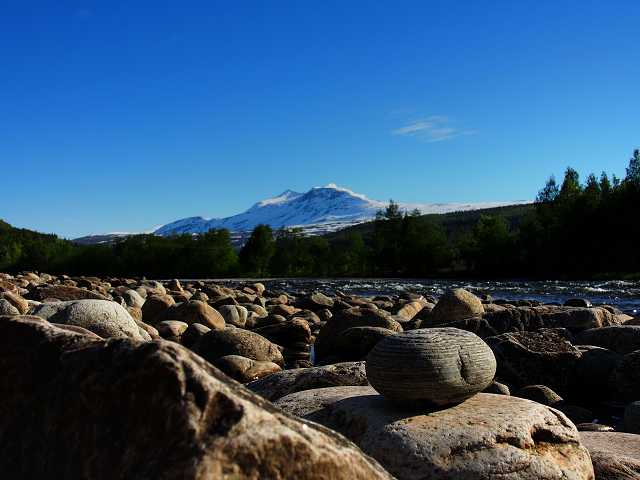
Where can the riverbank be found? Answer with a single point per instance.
(208, 377)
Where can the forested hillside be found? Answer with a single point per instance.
(574, 229)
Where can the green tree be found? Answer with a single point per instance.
(550, 191)
(488, 247)
(256, 254)
(592, 191)
(570, 188)
(633, 170)
(392, 212)
(605, 184)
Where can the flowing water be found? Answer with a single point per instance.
(624, 295)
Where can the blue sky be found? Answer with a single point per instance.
(123, 115)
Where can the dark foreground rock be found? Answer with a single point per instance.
(544, 357)
(77, 407)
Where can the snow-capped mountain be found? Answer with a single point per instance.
(320, 210)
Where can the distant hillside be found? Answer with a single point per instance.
(454, 223)
(22, 249)
(316, 212)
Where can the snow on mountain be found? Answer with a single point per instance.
(320, 210)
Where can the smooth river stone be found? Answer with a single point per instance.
(438, 366)
(485, 438)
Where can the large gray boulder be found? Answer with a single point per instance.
(278, 385)
(147, 410)
(486, 437)
(103, 317)
(437, 366)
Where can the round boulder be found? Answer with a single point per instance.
(540, 394)
(456, 304)
(133, 298)
(218, 343)
(103, 317)
(234, 314)
(195, 311)
(171, 329)
(193, 334)
(497, 388)
(155, 306)
(486, 437)
(7, 308)
(438, 366)
(244, 369)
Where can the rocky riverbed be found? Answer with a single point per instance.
(130, 378)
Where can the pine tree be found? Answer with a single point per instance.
(570, 185)
(605, 184)
(633, 170)
(392, 212)
(550, 191)
(257, 252)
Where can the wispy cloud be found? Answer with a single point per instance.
(435, 128)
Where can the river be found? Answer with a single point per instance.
(624, 295)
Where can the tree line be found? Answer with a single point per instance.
(575, 229)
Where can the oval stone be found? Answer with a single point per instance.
(438, 366)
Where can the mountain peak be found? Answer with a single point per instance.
(318, 210)
(335, 187)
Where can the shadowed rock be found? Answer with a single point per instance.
(147, 410)
(544, 357)
(64, 293)
(621, 338)
(325, 345)
(244, 369)
(286, 382)
(218, 343)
